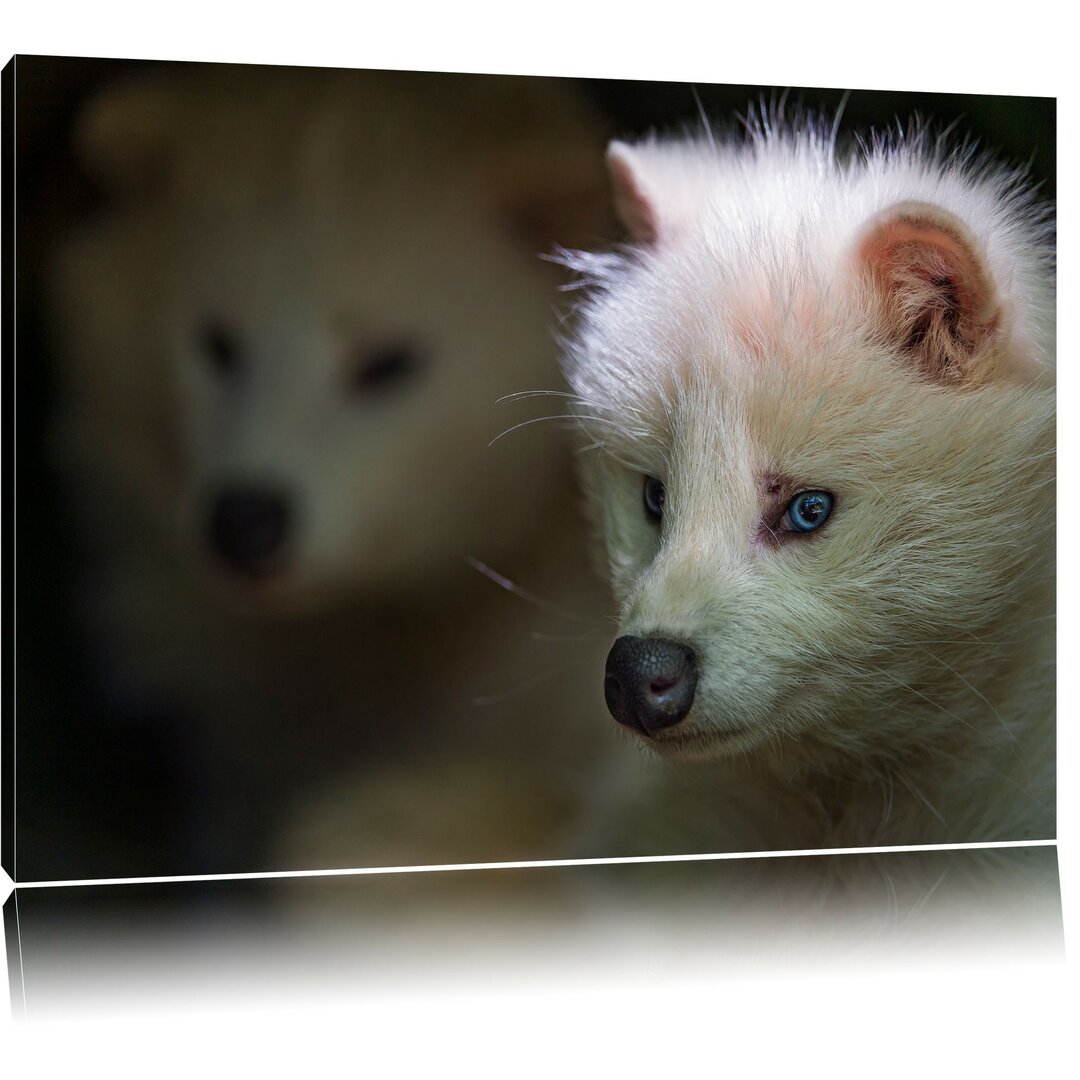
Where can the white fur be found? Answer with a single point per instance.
(891, 674)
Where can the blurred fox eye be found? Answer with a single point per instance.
(380, 368)
(220, 345)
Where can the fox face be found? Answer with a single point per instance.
(336, 394)
(818, 445)
(308, 292)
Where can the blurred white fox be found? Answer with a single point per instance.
(819, 411)
(280, 352)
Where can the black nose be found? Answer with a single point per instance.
(248, 528)
(649, 683)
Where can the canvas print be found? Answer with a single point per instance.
(418, 469)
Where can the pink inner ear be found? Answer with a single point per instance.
(633, 206)
(938, 301)
(903, 252)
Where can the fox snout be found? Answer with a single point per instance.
(248, 529)
(649, 682)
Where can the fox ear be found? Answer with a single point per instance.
(658, 187)
(635, 203)
(934, 295)
(125, 139)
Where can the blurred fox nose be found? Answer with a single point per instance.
(649, 683)
(248, 528)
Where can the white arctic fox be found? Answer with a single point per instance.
(280, 349)
(817, 393)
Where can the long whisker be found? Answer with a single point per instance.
(517, 590)
(540, 419)
(522, 394)
(521, 688)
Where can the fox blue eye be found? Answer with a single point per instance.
(808, 510)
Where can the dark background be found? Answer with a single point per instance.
(83, 774)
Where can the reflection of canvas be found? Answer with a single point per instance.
(820, 428)
(115, 950)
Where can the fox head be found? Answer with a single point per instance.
(308, 291)
(818, 443)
